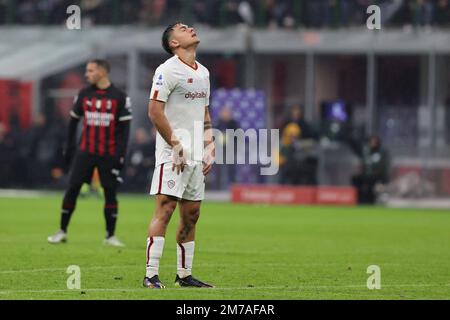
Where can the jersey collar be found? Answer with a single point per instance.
(193, 68)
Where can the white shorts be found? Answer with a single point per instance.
(188, 185)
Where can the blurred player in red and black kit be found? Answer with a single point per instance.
(106, 113)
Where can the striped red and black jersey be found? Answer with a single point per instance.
(102, 111)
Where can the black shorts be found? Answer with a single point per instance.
(83, 167)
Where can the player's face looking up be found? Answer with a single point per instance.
(183, 37)
(94, 73)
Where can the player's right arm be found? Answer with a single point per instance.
(163, 85)
(159, 119)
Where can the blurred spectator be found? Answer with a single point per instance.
(97, 11)
(59, 12)
(231, 12)
(129, 14)
(226, 120)
(296, 116)
(18, 150)
(288, 165)
(279, 13)
(298, 150)
(35, 137)
(374, 168)
(207, 12)
(320, 13)
(442, 12)
(6, 157)
(54, 141)
(3, 7)
(200, 11)
(27, 12)
(447, 120)
(40, 11)
(141, 160)
(226, 173)
(175, 9)
(152, 12)
(424, 12)
(345, 10)
(43, 143)
(246, 12)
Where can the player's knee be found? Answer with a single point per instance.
(192, 216)
(110, 196)
(163, 215)
(74, 188)
(162, 219)
(72, 192)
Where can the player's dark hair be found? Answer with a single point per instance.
(166, 36)
(101, 63)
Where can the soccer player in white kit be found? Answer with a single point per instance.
(178, 108)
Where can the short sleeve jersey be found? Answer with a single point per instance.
(101, 111)
(185, 91)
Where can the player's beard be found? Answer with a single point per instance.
(196, 42)
(194, 45)
(95, 80)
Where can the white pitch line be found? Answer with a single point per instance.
(284, 288)
(10, 193)
(203, 265)
(98, 267)
(63, 269)
(134, 290)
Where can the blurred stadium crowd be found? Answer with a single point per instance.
(220, 13)
(31, 156)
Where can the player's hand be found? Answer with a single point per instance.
(178, 158)
(117, 168)
(208, 158)
(118, 163)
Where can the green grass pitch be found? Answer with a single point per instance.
(247, 251)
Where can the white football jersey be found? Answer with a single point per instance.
(185, 91)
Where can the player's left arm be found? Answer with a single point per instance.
(210, 150)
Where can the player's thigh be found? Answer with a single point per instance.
(195, 184)
(82, 169)
(166, 181)
(165, 205)
(105, 166)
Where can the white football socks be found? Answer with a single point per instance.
(155, 246)
(185, 257)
